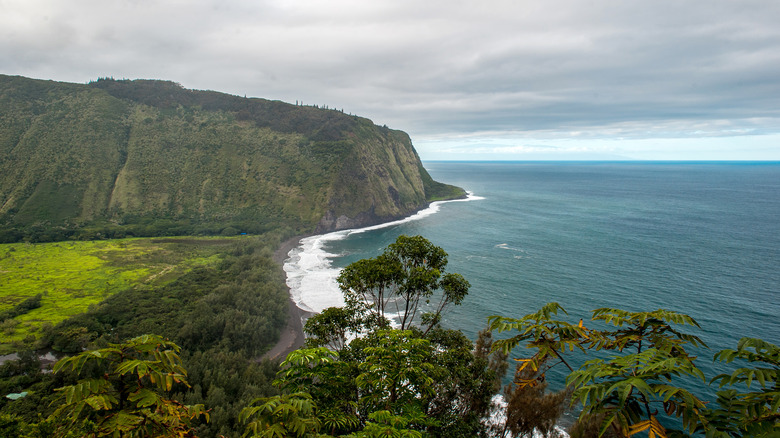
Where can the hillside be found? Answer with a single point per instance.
(145, 158)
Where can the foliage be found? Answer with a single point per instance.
(401, 382)
(331, 382)
(437, 383)
(150, 158)
(382, 424)
(224, 316)
(68, 277)
(123, 392)
(621, 390)
(405, 276)
(288, 415)
(530, 408)
(745, 413)
(549, 337)
(333, 327)
(396, 371)
(625, 387)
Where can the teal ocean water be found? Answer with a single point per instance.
(698, 238)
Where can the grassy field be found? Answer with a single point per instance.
(71, 276)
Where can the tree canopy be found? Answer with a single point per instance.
(408, 280)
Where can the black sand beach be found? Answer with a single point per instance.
(291, 337)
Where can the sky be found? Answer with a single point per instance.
(467, 80)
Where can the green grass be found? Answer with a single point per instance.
(71, 276)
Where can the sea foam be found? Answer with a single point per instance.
(311, 276)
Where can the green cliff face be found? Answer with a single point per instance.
(115, 158)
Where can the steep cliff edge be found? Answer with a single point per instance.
(115, 158)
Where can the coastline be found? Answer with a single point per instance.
(292, 337)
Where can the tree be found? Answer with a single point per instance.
(422, 376)
(329, 379)
(397, 371)
(281, 416)
(622, 391)
(529, 407)
(625, 390)
(123, 393)
(383, 424)
(405, 276)
(437, 384)
(748, 413)
(333, 327)
(549, 337)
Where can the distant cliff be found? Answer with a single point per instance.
(116, 158)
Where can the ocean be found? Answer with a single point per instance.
(701, 238)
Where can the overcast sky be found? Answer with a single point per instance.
(651, 79)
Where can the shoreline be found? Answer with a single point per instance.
(292, 336)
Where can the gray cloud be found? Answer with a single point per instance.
(436, 68)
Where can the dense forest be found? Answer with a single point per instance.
(223, 317)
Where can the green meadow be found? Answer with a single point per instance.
(63, 279)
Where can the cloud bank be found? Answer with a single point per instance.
(454, 74)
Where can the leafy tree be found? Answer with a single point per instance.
(424, 378)
(621, 391)
(529, 407)
(748, 413)
(289, 415)
(384, 424)
(549, 337)
(123, 393)
(396, 371)
(333, 327)
(331, 382)
(627, 389)
(405, 277)
(437, 383)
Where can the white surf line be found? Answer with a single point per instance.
(310, 275)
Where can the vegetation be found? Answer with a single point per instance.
(746, 412)
(115, 159)
(416, 380)
(122, 393)
(636, 389)
(44, 284)
(375, 380)
(165, 334)
(224, 315)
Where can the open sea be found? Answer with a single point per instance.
(701, 238)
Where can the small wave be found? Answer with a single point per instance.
(507, 247)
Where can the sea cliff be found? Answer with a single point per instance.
(117, 157)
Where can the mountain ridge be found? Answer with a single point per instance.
(117, 158)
